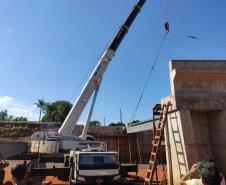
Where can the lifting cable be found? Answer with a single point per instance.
(166, 14)
(167, 30)
(151, 70)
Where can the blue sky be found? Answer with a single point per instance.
(47, 47)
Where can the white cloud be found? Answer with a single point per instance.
(18, 108)
(5, 100)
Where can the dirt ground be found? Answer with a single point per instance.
(55, 181)
(142, 173)
(36, 180)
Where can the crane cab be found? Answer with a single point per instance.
(94, 167)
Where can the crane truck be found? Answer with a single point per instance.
(89, 160)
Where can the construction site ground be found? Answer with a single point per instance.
(132, 179)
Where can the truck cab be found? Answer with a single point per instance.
(94, 167)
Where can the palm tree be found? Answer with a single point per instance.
(56, 111)
(41, 104)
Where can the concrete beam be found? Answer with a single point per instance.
(140, 127)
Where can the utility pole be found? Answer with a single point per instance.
(120, 111)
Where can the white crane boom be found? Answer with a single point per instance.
(97, 74)
(92, 84)
(67, 141)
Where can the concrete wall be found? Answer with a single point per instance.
(124, 145)
(100, 130)
(9, 148)
(131, 147)
(144, 143)
(217, 130)
(196, 125)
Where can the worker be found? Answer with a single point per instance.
(222, 177)
(208, 173)
(18, 174)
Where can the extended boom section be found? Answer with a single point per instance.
(92, 84)
(97, 75)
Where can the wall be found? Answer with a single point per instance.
(132, 147)
(100, 130)
(196, 123)
(9, 148)
(217, 129)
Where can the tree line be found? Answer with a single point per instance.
(4, 116)
(52, 112)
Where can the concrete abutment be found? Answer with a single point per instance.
(197, 121)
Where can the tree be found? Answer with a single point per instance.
(120, 124)
(41, 104)
(112, 124)
(56, 111)
(117, 124)
(21, 118)
(4, 116)
(94, 123)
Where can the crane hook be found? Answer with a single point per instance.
(167, 27)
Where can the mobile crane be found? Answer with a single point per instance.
(52, 142)
(88, 161)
